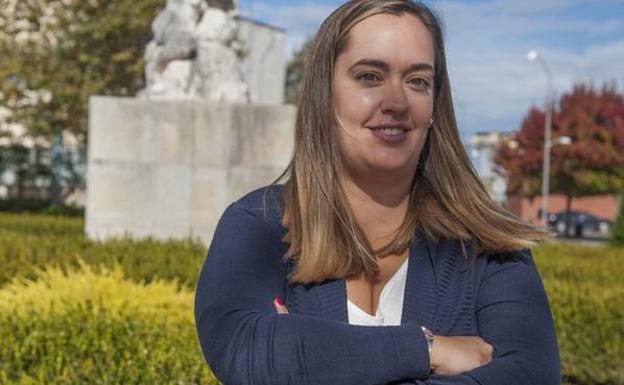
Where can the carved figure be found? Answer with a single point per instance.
(195, 52)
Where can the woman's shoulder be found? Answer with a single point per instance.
(453, 254)
(266, 197)
(507, 266)
(495, 261)
(260, 209)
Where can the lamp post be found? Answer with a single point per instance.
(532, 56)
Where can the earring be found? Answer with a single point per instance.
(431, 123)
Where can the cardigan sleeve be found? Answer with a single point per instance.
(245, 341)
(514, 316)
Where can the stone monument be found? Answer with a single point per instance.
(208, 127)
(196, 53)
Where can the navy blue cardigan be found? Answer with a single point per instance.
(499, 297)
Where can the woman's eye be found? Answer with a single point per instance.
(420, 83)
(368, 77)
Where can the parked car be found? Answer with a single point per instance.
(582, 224)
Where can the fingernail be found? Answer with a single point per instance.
(279, 301)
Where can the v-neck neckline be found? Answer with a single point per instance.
(419, 302)
(400, 272)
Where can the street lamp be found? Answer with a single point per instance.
(532, 56)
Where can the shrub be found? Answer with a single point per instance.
(586, 292)
(29, 242)
(617, 231)
(53, 290)
(42, 206)
(87, 328)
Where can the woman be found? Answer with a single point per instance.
(382, 221)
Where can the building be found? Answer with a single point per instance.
(482, 148)
(601, 206)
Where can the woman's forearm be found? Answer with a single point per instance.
(248, 347)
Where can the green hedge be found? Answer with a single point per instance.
(30, 241)
(585, 287)
(88, 328)
(41, 206)
(617, 231)
(83, 347)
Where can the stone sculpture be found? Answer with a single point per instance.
(195, 53)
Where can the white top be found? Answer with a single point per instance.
(390, 305)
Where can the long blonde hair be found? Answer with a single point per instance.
(447, 198)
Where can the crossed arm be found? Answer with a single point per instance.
(514, 316)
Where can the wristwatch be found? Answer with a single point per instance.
(429, 336)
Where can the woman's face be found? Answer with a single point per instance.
(383, 94)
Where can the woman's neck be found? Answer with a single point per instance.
(379, 204)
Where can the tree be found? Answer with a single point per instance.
(294, 72)
(592, 164)
(54, 54)
(26, 165)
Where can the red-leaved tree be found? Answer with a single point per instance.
(592, 164)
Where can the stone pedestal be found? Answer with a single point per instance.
(169, 168)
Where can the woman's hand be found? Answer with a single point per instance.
(455, 355)
(279, 306)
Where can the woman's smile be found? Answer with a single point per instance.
(391, 132)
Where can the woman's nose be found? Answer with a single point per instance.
(394, 100)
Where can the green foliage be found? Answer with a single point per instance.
(54, 54)
(135, 336)
(294, 72)
(41, 206)
(64, 210)
(586, 293)
(592, 164)
(29, 242)
(23, 205)
(617, 231)
(28, 165)
(78, 348)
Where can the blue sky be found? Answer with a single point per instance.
(487, 42)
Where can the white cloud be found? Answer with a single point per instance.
(603, 62)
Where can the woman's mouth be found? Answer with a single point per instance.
(390, 135)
